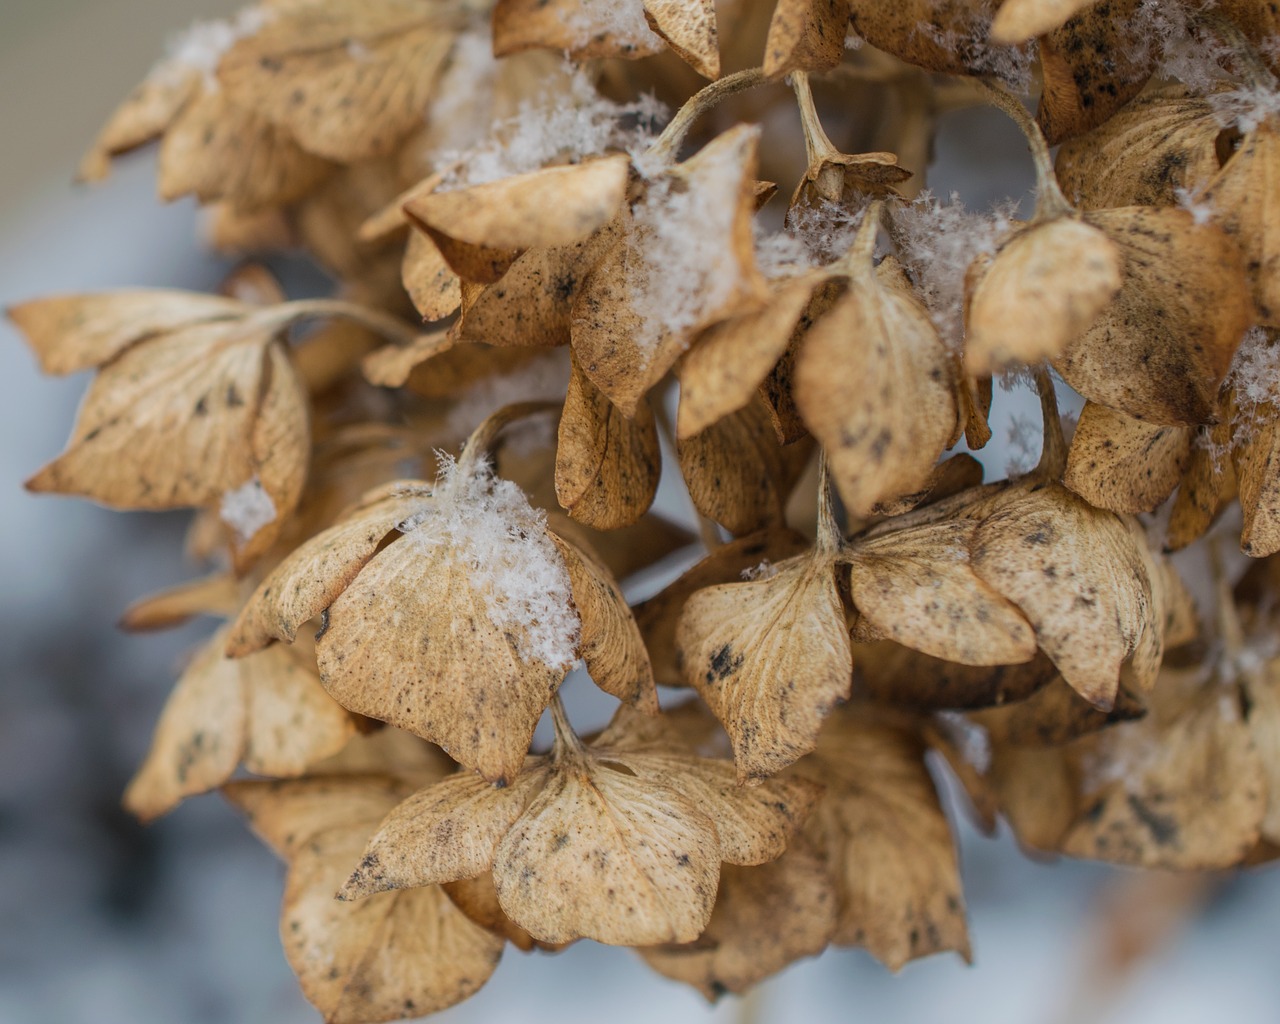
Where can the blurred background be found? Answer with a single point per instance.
(106, 921)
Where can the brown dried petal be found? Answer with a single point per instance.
(1158, 145)
(1092, 66)
(1019, 20)
(410, 642)
(1160, 350)
(887, 842)
(765, 918)
(916, 587)
(1244, 204)
(611, 644)
(378, 959)
(443, 833)
(348, 84)
(558, 25)
(309, 580)
(1077, 574)
(737, 473)
(69, 333)
(659, 616)
(1189, 794)
(1122, 464)
(689, 27)
(433, 287)
(806, 35)
(1038, 294)
(603, 855)
(873, 382)
(552, 207)
(771, 658)
(607, 465)
(267, 711)
(219, 151)
(732, 359)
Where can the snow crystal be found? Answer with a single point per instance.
(623, 21)
(815, 235)
(1201, 212)
(202, 45)
(561, 124)
(677, 239)
(936, 243)
(1255, 379)
(764, 571)
(971, 740)
(545, 378)
(1010, 64)
(510, 561)
(247, 509)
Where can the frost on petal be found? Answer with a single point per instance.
(936, 243)
(247, 509)
(566, 122)
(201, 46)
(502, 542)
(622, 20)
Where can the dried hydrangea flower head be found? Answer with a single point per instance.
(423, 495)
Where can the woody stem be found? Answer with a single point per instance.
(667, 145)
(818, 145)
(477, 446)
(567, 743)
(1050, 202)
(828, 529)
(1053, 454)
(390, 327)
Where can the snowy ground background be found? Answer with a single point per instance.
(106, 922)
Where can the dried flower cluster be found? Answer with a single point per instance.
(449, 509)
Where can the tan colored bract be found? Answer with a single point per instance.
(550, 292)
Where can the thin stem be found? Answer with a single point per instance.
(667, 145)
(567, 744)
(828, 538)
(390, 327)
(1230, 628)
(818, 145)
(1050, 202)
(1053, 454)
(477, 446)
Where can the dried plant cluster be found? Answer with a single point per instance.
(448, 509)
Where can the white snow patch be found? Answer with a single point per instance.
(971, 740)
(937, 242)
(202, 46)
(247, 509)
(677, 239)
(502, 545)
(814, 236)
(1010, 64)
(1201, 212)
(622, 21)
(1255, 379)
(764, 571)
(565, 123)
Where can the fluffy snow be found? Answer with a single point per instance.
(247, 509)
(677, 238)
(936, 243)
(623, 21)
(202, 45)
(971, 740)
(814, 236)
(565, 123)
(502, 545)
(1255, 378)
